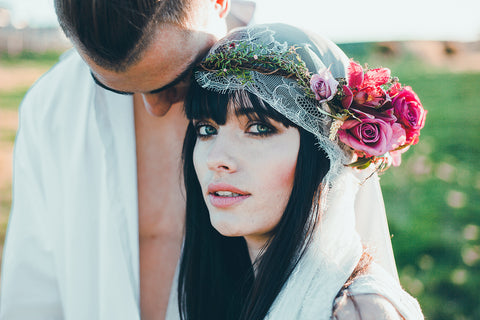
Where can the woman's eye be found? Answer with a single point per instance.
(260, 129)
(205, 130)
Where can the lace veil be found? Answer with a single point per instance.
(351, 206)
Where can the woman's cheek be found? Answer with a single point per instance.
(281, 167)
(199, 160)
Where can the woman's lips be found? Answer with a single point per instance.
(223, 195)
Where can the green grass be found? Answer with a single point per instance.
(30, 59)
(7, 135)
(10, 99)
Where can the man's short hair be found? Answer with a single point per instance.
(114, 34)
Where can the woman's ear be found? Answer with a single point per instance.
(222, 7)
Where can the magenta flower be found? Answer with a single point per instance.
(373, 97)
(355, 75)
(358, 79)
(366, 86)
(410, 113)
(383, 117)
(347, 98)
(324, 85)
(372, 136)
(376, 77)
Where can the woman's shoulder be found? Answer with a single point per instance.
(376, 295)
(366, 306)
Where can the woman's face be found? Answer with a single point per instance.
(246, 171)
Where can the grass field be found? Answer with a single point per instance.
(432, 200)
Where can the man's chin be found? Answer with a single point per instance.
(162, 110)
(159, 111)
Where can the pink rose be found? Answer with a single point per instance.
(399, 136)
(412, 136)
(372, 136)
(324, 85)
(410, 113)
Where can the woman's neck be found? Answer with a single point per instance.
(255, 245)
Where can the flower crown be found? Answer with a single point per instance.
(372, 112)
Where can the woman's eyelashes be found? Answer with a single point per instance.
(260, 129)
(206, 129)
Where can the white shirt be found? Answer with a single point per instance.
(71, 249)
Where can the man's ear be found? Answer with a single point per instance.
(222, 7)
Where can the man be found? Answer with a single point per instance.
(97, 215)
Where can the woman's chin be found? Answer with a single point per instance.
(227, 229)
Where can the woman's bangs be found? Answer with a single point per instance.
(206, 104)
(249, 105)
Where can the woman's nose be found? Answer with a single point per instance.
(221, 156)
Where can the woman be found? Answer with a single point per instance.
(271, 204)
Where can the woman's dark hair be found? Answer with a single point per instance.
(114, 34)
(216, 279)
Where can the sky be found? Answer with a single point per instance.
(339, 20)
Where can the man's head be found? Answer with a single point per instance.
(143, 46)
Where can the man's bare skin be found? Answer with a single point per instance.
(161, 203)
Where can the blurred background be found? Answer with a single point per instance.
(432, 200)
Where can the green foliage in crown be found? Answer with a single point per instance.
(240, 58)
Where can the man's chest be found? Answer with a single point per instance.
(161, 205)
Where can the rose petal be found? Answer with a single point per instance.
(348, 98)
(355, 75)
(399, 136)
(395, 89)
(376, 77)
(371, 136)
(412, 136)
(409, 110)
(397, 156)
(324, 85)
(360, 97)
(368, 132)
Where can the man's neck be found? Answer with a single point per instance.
(161, 203)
